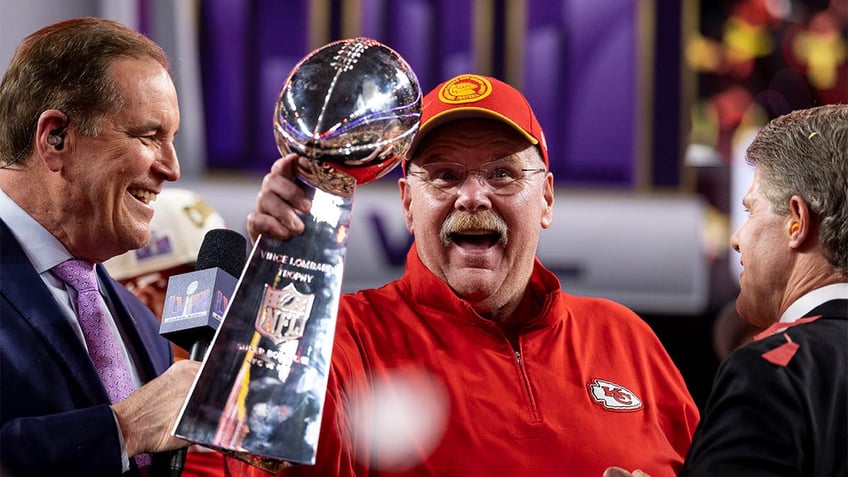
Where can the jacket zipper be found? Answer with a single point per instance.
(534, 413)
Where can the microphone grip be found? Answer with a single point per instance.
(198, 350)
(177, 463)
(178, 457)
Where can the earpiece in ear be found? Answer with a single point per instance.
(56, 138)
(56, 141)
(794, 227)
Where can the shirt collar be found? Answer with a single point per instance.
(807, 302)
(429, 290)
(43, 249)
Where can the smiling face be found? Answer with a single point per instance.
(480, 243)
(763, 244)
(109, 180)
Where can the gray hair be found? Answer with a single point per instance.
(65, 66)
(805, 153)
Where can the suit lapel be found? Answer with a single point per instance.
(129, 327)
(37, 308)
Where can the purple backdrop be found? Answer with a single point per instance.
(578, 69)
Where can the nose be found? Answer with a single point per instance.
(473, 193)
(734, 240)
(168, 165)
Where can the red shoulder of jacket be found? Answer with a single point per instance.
(783, 353)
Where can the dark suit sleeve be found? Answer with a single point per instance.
(778, 406)
(55, 415)
(54, 411)
(82, 442)
(752, 424)
(756, 421)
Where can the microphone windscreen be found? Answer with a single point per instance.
(225, 249)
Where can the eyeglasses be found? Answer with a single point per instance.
(501, 177)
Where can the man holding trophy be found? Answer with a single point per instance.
(475, 361)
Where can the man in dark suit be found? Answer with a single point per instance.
(779, 405)
(89, 113)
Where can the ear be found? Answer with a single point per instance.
(52, 124)
(800, 221)
(406, 202)
(548, 197)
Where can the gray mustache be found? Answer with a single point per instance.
(462, 222)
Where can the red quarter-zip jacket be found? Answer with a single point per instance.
(420, 384)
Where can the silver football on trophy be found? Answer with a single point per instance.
(352, 108)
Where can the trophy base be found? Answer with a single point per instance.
(265, 463)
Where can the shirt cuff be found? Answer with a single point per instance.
(125, 458)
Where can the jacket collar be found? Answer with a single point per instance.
(429, 291)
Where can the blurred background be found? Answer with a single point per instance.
(648, 106)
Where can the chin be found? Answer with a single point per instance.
(472, 296)
(136, 237)
(754, 315)
(472, 286)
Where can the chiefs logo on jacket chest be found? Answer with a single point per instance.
(613, 397)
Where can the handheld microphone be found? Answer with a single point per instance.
(195, 302)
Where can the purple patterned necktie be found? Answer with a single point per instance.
(102, 346)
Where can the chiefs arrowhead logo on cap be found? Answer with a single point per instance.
(613, 397)
(475, 96)
(465, 89)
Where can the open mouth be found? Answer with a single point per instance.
(475, 238)
(145, 196)
(479, 229)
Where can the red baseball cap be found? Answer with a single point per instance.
(476, 96)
